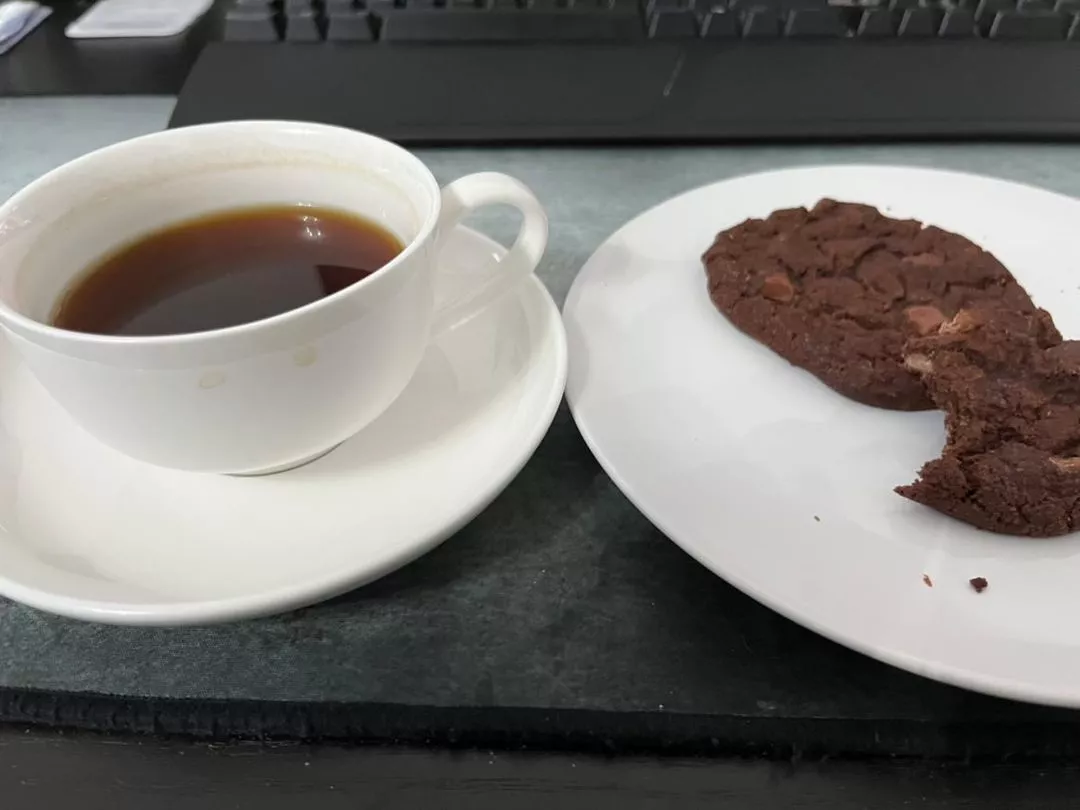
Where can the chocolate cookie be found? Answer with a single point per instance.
(1010, 389)
(838, 289)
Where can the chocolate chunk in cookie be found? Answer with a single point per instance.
(838, 289)
(1010, 389)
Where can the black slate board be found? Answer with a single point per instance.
(559, 618)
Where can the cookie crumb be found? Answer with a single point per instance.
(979, 584)
(817, 518)
(1010, 462)
(929, 583)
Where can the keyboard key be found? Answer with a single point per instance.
(441, 25)
(1074, 30)
(990, 8)
(626, 7)
(304, 26)
(1068, 6)
(245, 25)
(1035, 5)
(1032, 25)
(920, 22)
(625, 10)
(780, 6)
(673, 24)
(348, 25)
(668, 5)
(877, 22)
(818, 22)
(761, 22)
(720, 24)
(622, 16)
(903, 5)
(958, 23)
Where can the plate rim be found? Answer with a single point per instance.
(204, 612)
(942, 672)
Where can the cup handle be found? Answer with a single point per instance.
(461, 198)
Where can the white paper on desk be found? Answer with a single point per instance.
(32, 21)
(125, 19)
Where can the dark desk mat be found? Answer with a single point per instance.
(559, 618)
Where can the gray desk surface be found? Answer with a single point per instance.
(588, 192)
(597, 571)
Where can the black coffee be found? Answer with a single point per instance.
(225, 269)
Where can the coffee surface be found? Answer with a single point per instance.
(225, 269)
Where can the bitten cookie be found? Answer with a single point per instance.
(1010, 389)
(839, 289)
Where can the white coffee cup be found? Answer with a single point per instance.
(270, 394)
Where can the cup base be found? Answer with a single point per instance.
(292, 465)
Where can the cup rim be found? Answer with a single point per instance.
(10, 315)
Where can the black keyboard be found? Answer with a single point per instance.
(500, 71)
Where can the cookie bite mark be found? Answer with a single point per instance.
(1010, 389)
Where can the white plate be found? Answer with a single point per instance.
(783, 487)
(88, 533)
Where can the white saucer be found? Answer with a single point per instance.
(88, 533)
(782, 486)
